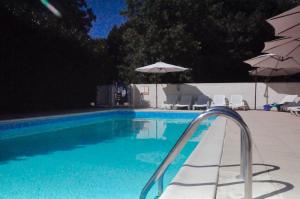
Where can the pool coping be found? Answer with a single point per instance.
(198, 177)
(36, 121)
(46, 116)
(10, 128)
(83, 112)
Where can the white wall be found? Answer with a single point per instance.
(275, 91)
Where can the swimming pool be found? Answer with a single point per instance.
(107, 155)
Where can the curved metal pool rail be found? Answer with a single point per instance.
(246, 150)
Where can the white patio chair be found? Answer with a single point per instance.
(202, 102)
(218, 100)
(287, 101)
(170, 102)
(288, 105)
(295, 110)
(237, 102)
(184, 102)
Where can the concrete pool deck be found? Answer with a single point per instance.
(276, 161)
(276, 156)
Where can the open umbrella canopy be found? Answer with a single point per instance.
(287, 23)
(271, 72)
(285, 47)
(160, 67)
(273, 61)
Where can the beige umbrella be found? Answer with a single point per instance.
(273, 61)
(273, 72)
(271, 65)
(285, 47)
(160, 67)
(287, 23)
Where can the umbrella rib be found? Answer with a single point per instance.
(261, 61)
(289, 28)
(278, 45)
(293, 50)
(284, 58)
(276, 57)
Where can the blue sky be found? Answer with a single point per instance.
(108, 15)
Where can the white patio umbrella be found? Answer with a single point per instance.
(160, 67)
(287, 23)
(285, 47)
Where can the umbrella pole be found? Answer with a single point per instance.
(155, 90)
(255, 91)
(266, 95)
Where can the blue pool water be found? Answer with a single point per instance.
(108, 155)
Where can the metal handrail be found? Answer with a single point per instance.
(246, 150)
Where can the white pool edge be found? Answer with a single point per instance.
(57, 116)
(198, 178)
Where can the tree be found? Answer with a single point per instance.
(212, 37)
(76, 19)
(48, 62)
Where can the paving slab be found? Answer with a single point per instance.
(276, 157)
(199, 174)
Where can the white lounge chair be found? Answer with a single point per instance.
(170, 102)
(288, 100)
(184, 102)
(288, 105)
(295, 110)
(237, 102)
(218, 100)
(202, 102)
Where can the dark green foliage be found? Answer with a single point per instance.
(48, 63)
(212, 37)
